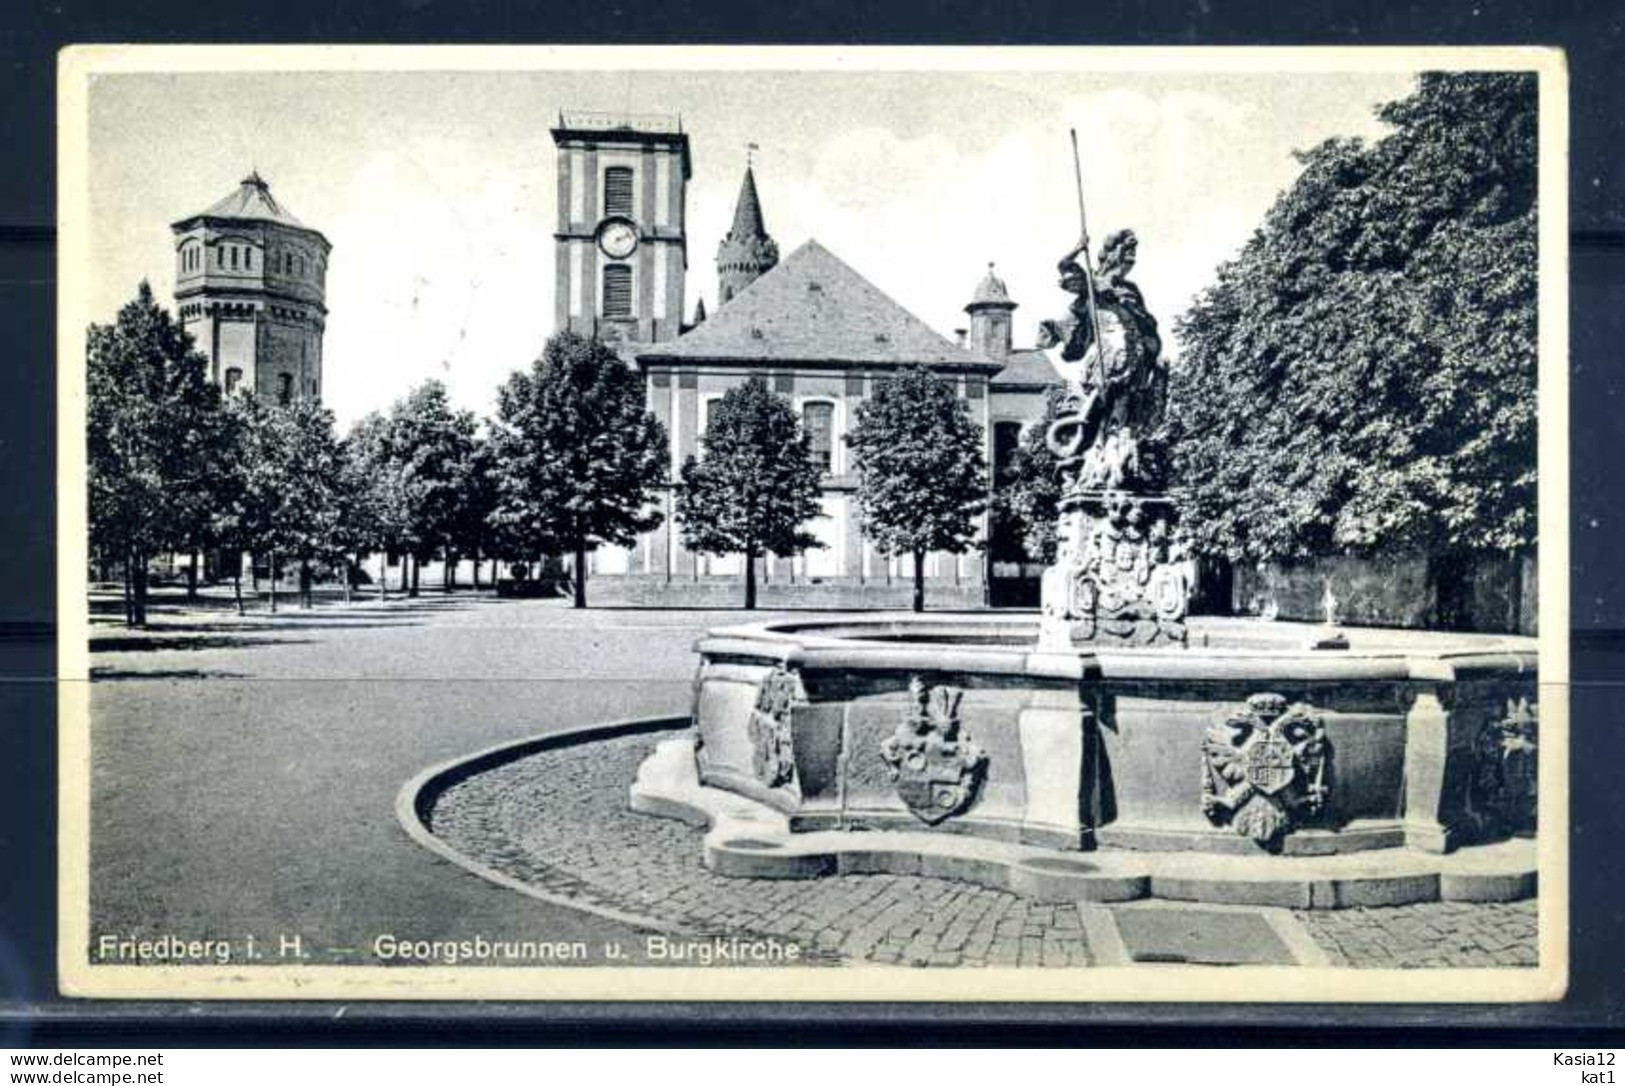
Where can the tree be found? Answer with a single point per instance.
(1361, 377)
(431, 446)
(754, 484)
(472, 532)
(153, 439)
(372, 506)
(922, 479)
(1028, 503)
(578, 456)
(292, 480)
(233, 525)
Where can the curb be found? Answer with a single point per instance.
(418, 796)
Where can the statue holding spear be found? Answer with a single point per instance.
(1108, 353)
(1118, 574)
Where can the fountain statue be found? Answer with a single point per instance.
(1120, 574)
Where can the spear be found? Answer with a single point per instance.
(1089, 272)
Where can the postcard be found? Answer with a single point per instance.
(870, 524)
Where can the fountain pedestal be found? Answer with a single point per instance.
(1120, 577)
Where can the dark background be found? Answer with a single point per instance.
(1593, 35)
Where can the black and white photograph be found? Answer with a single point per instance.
(813, 523)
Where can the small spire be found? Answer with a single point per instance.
(255, 179)
(748, 222)
(699, 311)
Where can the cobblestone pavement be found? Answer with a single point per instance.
(559, 820)
(1439, 933)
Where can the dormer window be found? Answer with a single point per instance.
(618, 191)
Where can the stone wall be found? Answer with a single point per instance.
(729, 593)
(1492, 594)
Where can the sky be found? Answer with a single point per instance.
(437, 190)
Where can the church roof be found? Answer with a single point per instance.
(252, 201)
(1026, 369)
(991, 291)
(814, 308)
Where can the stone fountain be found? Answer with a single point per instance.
(1113, 748)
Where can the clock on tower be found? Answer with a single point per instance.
(621, 253)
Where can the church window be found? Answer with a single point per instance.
(248, 259)
(234, 377)
(1006, 443)
(617, 290)
(618, 191)
(233, 258)
(818, 421)
(284, 390)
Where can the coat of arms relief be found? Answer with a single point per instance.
(1264, 768)
(937, 768)
(772, 746)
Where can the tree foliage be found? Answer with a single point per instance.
(374, 516)
(578, 454)
(154, 442)
(293, 476)
(754, 484)
(1361, 377)
(1028, 499)
(922, 478)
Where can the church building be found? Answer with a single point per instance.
(819, 333)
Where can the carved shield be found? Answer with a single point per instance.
(935, 781)
(1271, 762)
(935, 768)
(772, 747)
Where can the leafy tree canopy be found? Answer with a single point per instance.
(922, 476)
(578, 455)
(293, 477)
(431, 447)
(1361, 377)
(754, 484)
(1030, 495)
(154, 438)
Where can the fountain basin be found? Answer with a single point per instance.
(1244, 742)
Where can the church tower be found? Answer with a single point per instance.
(251, 288)
(620, 251)
(990, 312)
(746, 251)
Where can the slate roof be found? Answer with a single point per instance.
(1026, 368)
(815, 308)
(251, 200)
